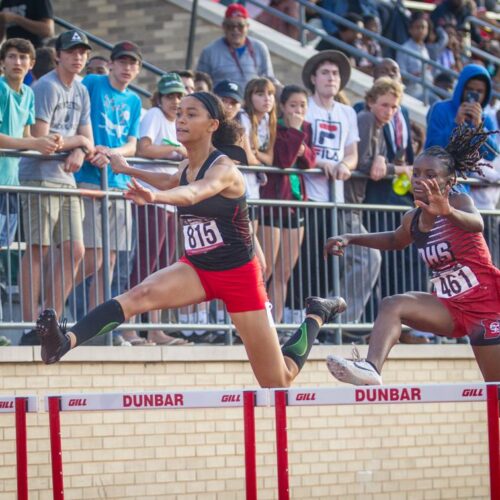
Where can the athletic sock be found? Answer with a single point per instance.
(103, 319)
(299, 344)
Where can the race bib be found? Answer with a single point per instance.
(454, 282)
(201, 235)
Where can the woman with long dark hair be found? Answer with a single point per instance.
(218, 263)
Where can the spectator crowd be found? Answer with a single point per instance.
(47, 105)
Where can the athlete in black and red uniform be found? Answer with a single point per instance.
(219, 260)
(447, 230)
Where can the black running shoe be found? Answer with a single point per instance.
(55, 344)
(326, 309)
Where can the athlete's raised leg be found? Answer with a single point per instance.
(174, 286)
(274, 366)
(421, 311)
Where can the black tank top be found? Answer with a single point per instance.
(216, 230)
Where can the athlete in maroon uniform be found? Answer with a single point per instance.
(219, 260)
(447, 230)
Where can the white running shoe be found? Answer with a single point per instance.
(357, 371)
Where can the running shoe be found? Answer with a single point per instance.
(326, 309)
(356, 371)
(55, 344)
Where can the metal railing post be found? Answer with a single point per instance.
(106, 278)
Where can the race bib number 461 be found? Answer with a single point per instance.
(454, 282)
(201, 235)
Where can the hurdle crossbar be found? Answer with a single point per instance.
(20, 405)
(422, 393)
(166, 400)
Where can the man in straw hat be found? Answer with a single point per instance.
(335, 141)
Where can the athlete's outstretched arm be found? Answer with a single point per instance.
(458, 208)
(389, 240)
(223, 177)
(159, 180)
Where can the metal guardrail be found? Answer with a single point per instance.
(359, 276)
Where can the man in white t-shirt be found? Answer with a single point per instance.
(335, 141)
(335, 127)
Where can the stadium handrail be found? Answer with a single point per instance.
(16, 153)
(360, 53)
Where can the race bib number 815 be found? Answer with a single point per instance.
(454, 282)
(200, 235)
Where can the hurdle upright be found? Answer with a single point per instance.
(20, 405)
(424, 393)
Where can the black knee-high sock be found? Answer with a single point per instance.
(103, 319)
(299, 345)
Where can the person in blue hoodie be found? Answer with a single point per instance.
(471, 95)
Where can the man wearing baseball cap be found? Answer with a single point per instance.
(235, 56)
(115, 116)
(62, 109)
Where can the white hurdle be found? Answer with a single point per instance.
(413, 394)
(280, 399)
(160, 400)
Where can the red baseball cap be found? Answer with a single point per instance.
(236, 10)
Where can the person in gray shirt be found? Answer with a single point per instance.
(62, 106)
(236, 56)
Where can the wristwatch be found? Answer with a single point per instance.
(84, 149)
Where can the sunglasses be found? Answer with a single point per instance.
(235, 26)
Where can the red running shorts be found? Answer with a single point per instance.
(242, 289)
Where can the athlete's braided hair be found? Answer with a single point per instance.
(462, 154)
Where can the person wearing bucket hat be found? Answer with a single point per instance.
(334, 139)
(236, 56)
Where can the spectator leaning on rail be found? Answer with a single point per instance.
(236, 56)
(335, 138)
(156, 223)
(61, 107)
(17, 114)
(30, 19)
(115, 115)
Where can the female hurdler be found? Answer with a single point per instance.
(218, 263)
(447, 230)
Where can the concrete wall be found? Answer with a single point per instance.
(377, 452)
